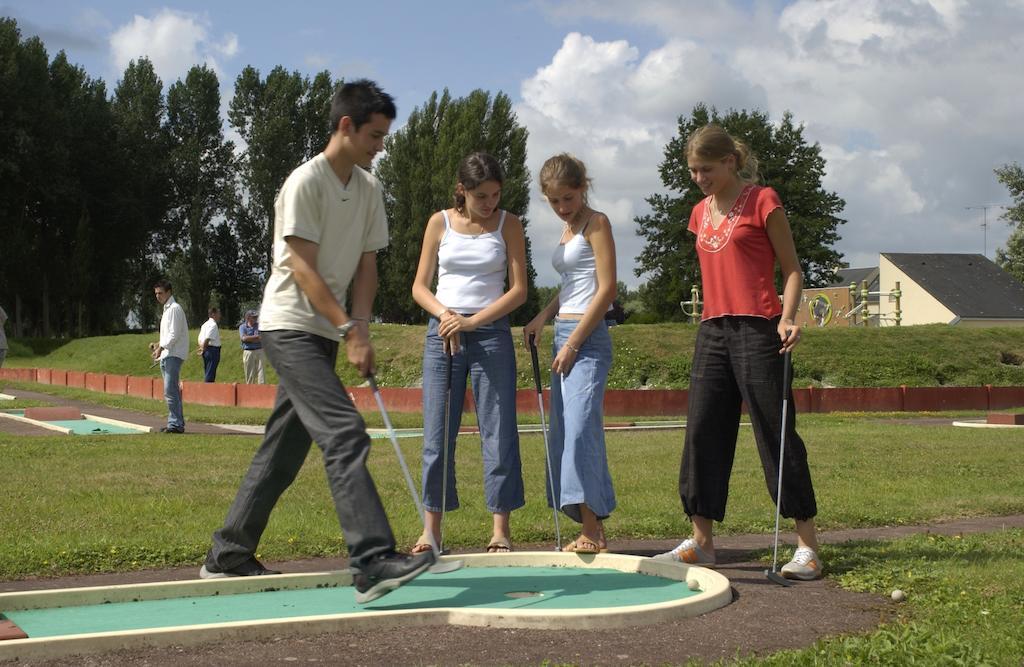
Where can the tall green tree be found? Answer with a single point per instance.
(1011, 258)
(26, 109)
(88, 243)
(418, 173)
(283, 120)
(787, 163)
(232, 276)
(143, 195)
(202, 165)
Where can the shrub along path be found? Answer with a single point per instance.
(762, 619)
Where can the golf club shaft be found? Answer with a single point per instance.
(438, 567)
(544, 430)
(398, 452)
(786, 361)
(447, 437)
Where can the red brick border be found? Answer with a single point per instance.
(116, 384)
(1000, 398)
(618, 402)
(208, 393)
(255, 395)
(920, 399)
(95, 382)
(140, 387)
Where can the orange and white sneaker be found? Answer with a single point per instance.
(688, 551)
(806, 565)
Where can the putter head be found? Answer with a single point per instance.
(446, 565)
(777, 578)
(442, 564)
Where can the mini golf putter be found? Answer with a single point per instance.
(544, 430)
(439, 566)
(773, 573)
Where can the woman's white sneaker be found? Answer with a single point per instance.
(806, 565)
(688, 551)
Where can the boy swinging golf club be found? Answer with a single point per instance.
(329, 222)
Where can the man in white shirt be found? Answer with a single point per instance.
(171, 351)
(209, 345)
(329, 223)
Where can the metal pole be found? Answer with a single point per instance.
(864, 299)
(984, 221)
(896, 293)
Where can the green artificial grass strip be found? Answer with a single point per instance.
(534, 588)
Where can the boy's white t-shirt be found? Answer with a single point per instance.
(344, 221)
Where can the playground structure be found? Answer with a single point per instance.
(829, 306)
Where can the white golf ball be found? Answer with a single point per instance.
(898, 596)
(693, 584)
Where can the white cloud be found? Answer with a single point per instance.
(174, 41)
(228, 46)
(914, 102)
(615, 110)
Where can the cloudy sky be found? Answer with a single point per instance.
(914, 102)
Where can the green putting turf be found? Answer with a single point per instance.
(90, 427)
(85, 426)
(538, 588)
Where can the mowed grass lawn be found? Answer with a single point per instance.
(76, 504)
(88, 504)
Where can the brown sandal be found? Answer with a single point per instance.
(582, 545)
(421, 548)
(499, 545)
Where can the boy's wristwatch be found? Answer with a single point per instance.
(345, 328)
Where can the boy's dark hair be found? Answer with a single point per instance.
(163, 284)
(212, 311)
(359, 100)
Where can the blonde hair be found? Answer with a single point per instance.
(567, 170)
(712, 142)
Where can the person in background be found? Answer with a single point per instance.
(252, 349)
(209, 345)
(171, 351)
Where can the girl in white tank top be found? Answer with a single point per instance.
(475, 248)
(582, 351)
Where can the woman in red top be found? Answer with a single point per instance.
(741, 231)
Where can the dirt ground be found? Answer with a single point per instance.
(762, 618)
